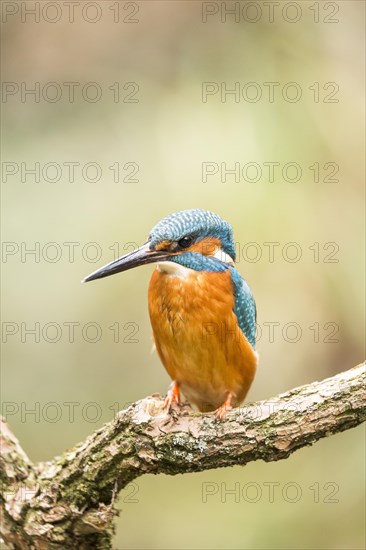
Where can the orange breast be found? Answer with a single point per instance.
(197, 335)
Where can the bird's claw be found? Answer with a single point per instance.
(173, 396)
(221, 411)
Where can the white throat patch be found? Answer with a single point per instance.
(223, 257)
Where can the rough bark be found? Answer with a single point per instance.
(69, 501)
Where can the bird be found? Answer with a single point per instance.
(203, 313)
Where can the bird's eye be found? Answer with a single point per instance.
(185, 242)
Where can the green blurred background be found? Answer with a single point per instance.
(167, 133)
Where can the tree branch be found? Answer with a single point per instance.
(69, 501)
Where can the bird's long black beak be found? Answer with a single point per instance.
(140, 256)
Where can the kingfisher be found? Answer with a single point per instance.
(202, 312)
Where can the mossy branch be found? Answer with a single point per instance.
(69, 501)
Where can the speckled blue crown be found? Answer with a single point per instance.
(198, 223)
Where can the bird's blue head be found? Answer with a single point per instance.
(200, 232)
(193, 230)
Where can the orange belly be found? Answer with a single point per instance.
(197, 335)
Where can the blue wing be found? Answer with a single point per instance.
(245, 308)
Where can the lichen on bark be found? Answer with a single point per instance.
(68, 502)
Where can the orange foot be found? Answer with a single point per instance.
(220, 413)
(172, 396)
